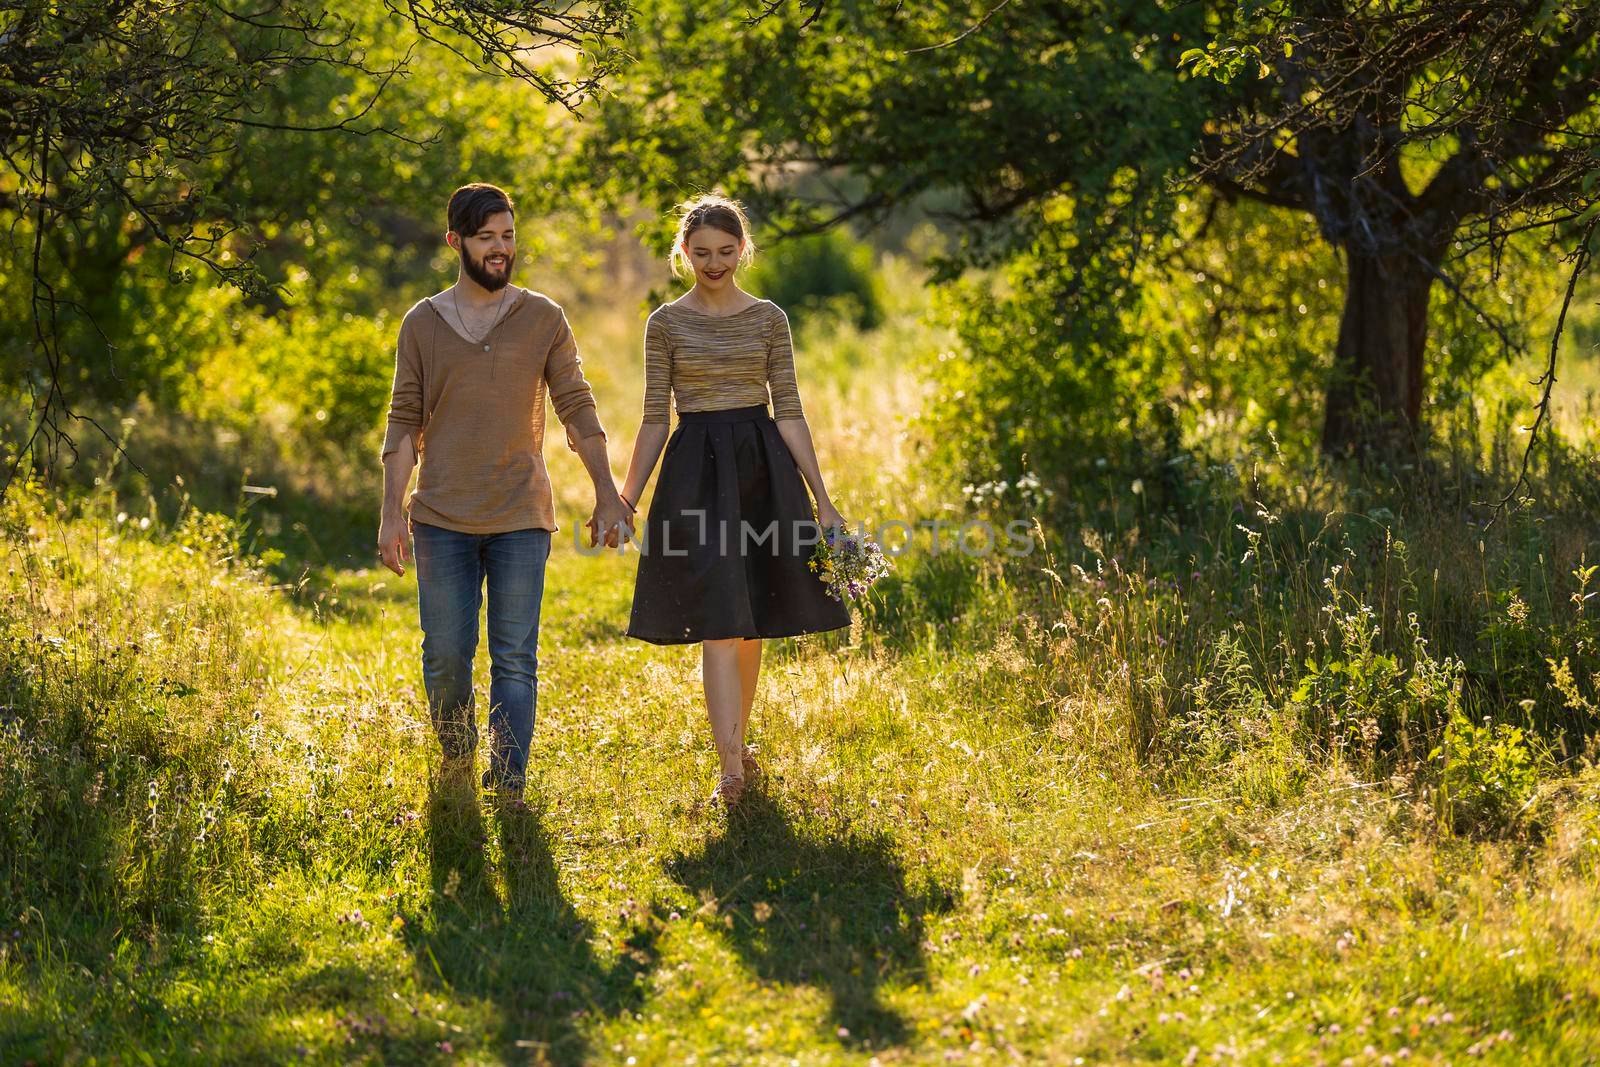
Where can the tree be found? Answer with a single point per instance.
(121, 126)
(1415, 132)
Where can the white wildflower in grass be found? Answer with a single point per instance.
(1027, 491)
(848, 564)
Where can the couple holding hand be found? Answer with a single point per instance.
(723, 557)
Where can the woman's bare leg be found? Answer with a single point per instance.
(719, 665)
(749, 675)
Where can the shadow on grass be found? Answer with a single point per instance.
(530, 952)
(320, 512)
(805, 908)
(82, 900)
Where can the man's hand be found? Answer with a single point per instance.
(611, 516)
(394, 542)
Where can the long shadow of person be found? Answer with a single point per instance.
(810, 907)
(530, 953)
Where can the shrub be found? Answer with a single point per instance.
(831, 272)
(1488, 774)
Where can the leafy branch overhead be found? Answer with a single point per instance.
(126, 117)
(1416, 135)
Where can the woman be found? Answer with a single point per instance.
(730, 527)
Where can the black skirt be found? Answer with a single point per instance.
(723, 552)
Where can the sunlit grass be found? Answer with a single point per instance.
(1095, 802)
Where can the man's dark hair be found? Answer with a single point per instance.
(471, 206)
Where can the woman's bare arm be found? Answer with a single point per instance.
(796, 433)
(647, 446)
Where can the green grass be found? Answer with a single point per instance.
(1203, 781)
(228, 837)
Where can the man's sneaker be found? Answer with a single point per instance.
(456, 771)
(504, 784)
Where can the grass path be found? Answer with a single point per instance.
(224, 837)
(938, 870)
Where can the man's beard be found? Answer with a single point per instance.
(481, 274)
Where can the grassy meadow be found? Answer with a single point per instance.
(1246, 763)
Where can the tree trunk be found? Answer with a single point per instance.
(1374, 401)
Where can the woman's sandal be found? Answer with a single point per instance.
(730, 789)
(750, 765)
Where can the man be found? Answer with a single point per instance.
(472, 368)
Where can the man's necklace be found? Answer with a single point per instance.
(495, 321)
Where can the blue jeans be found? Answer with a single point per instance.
(451, 568)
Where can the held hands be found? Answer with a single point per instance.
(394, 542)
(611, 517)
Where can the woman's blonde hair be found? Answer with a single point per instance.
(718, 212)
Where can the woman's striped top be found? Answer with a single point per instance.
(710, 362)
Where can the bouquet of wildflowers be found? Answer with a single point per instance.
(848, 563)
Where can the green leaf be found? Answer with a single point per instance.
(1547, 12)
